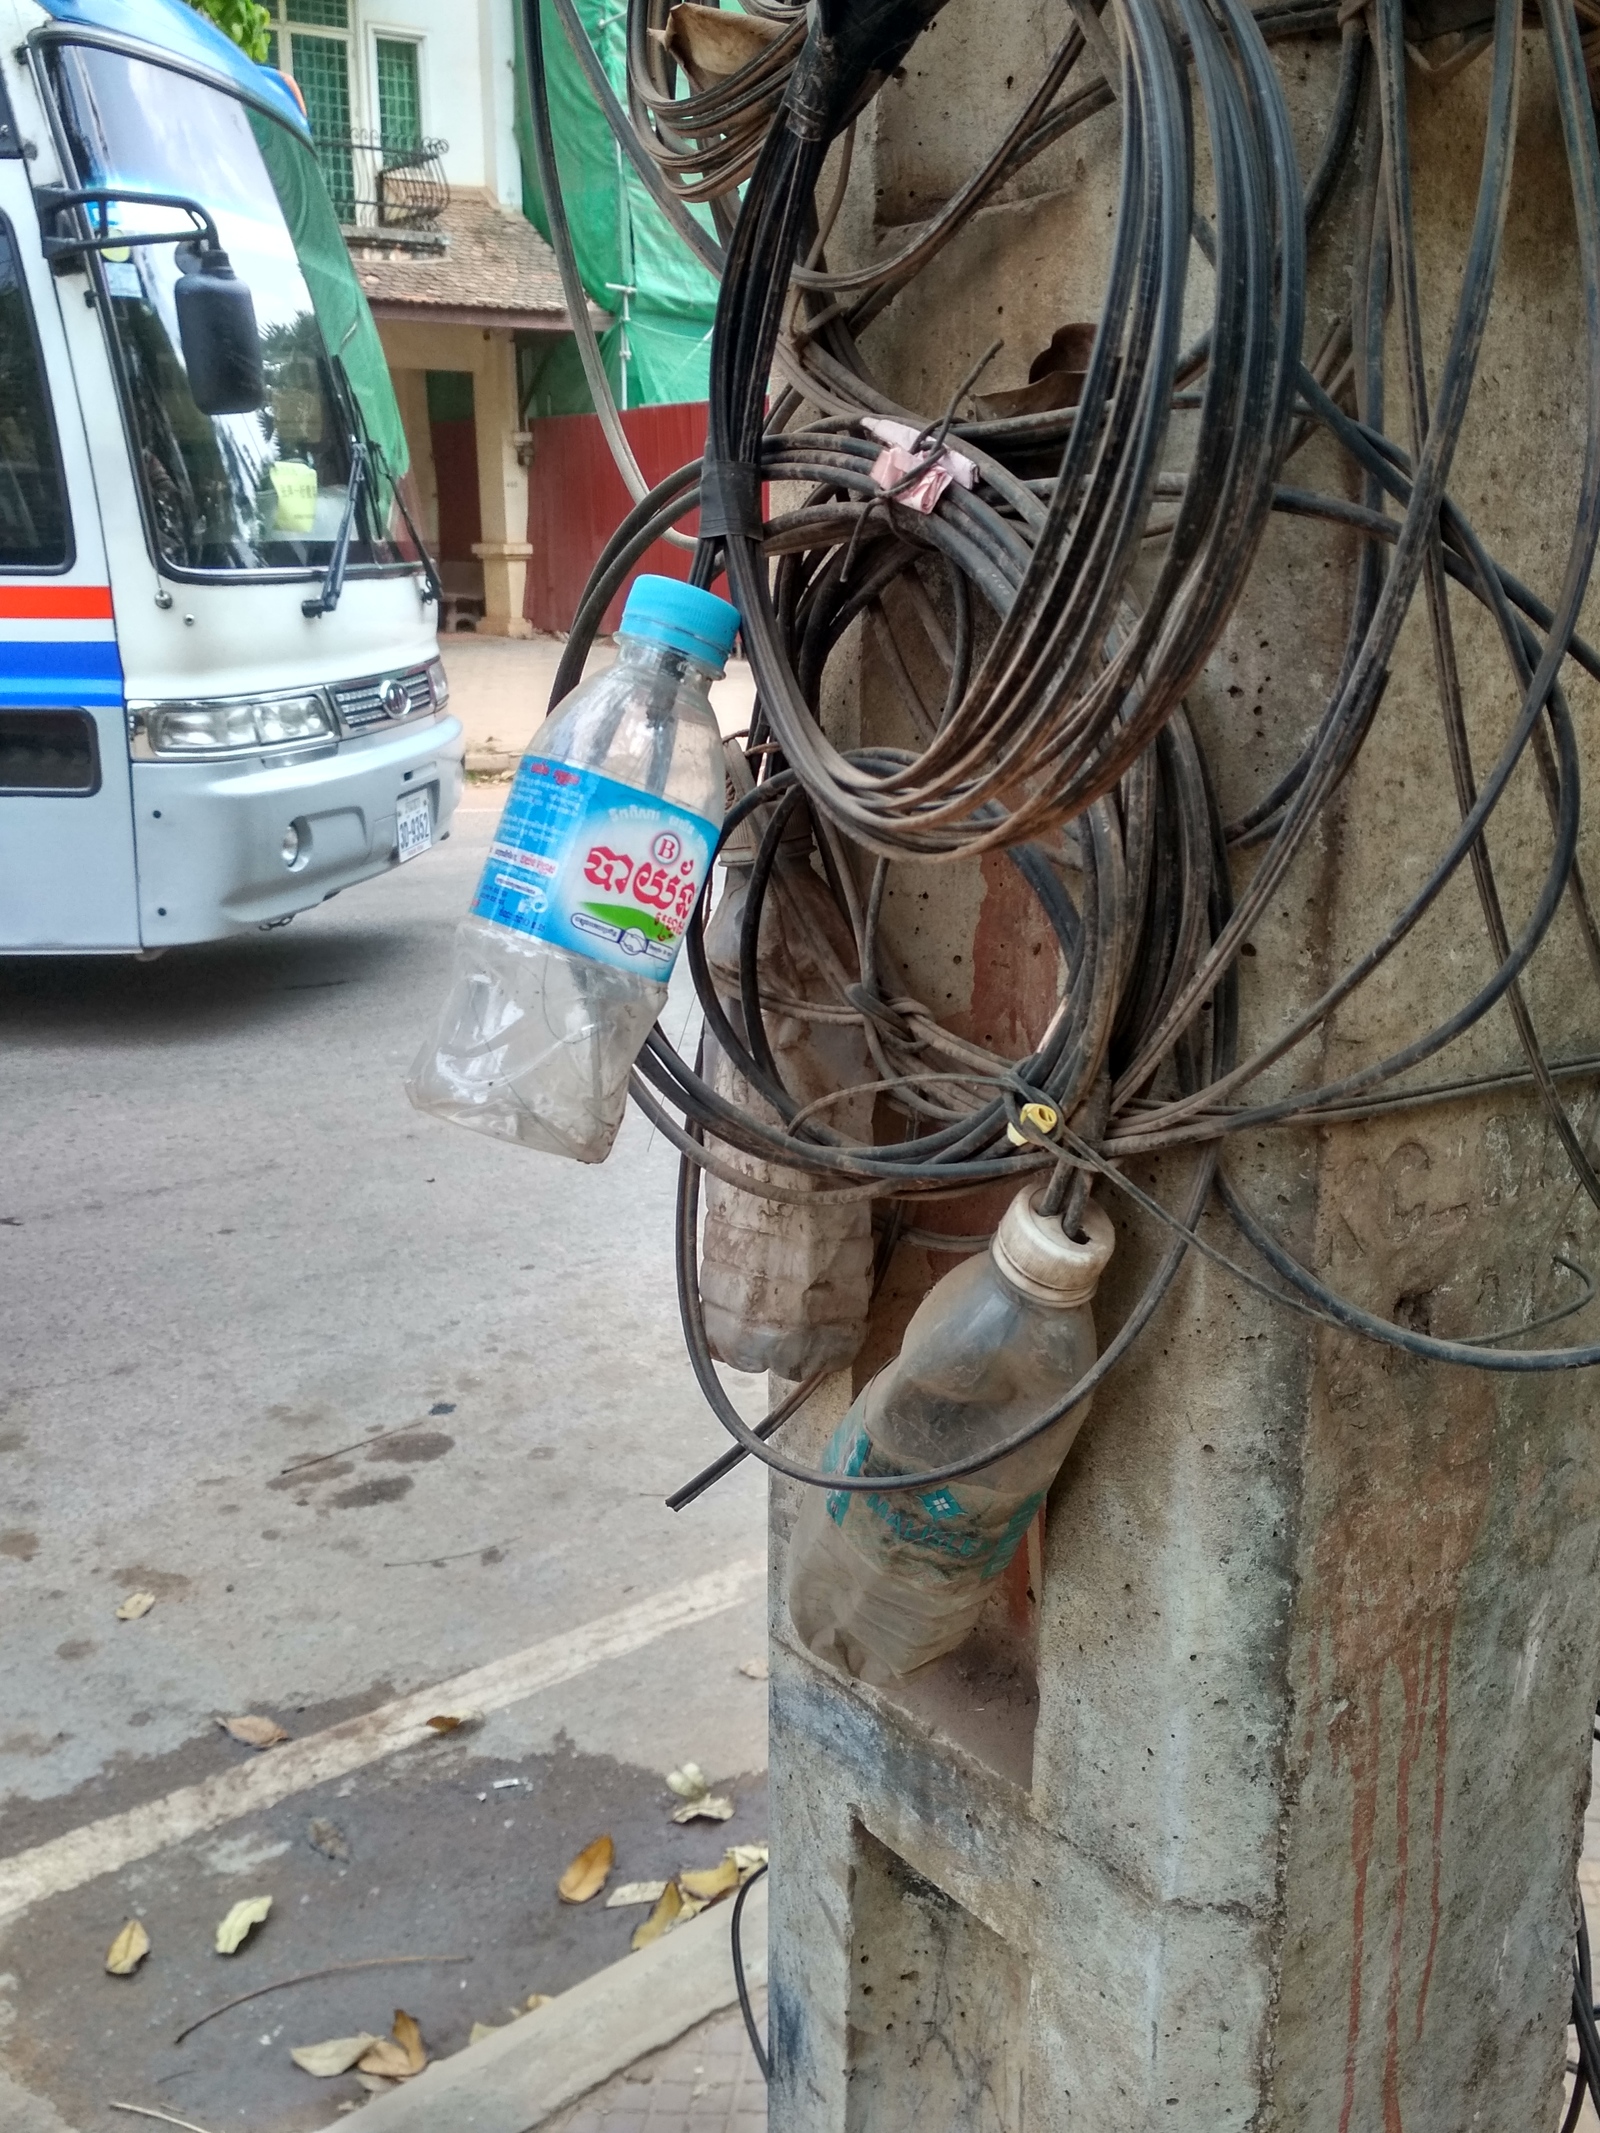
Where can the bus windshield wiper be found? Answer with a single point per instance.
(327, 599)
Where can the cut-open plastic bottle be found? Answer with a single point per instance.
(786, 1283)
(884, 1582)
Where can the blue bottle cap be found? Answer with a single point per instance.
(666, 611)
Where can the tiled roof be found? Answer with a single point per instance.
(494, 261)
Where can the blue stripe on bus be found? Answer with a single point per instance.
(85, 659)
(48, 692)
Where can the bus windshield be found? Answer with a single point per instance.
(258, 491)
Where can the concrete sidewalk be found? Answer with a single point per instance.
(708, 2082)
(500, 690)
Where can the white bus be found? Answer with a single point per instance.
(221, 700)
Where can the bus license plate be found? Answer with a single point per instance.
(413, 824)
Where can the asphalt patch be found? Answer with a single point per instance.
(443, 1861)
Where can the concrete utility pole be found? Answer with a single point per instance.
(1257, 1803)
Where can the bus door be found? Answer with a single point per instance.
(67, 871)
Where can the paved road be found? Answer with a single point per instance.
(227, 1245)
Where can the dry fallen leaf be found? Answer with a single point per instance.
(337, 2056)
(128, 1950)
(135, 1605)
(408, 2035)
(708, 1883)
(387, 2058)
(747, 1857)
(536, 2000)
(662, 1919)
(236, 1928)
(328, 1838)
(374, 2084)
(480, 2030)
(757, 1669)
(707, 1807)
(689, 1783)
(254, 1732)
(453, 1721)
(586, 1876)
(628, 1892)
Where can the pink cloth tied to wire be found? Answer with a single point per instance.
(934, 471)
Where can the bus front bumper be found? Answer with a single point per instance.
(228, 846)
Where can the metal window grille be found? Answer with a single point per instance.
(321, 65)
(399, 93)
(320, 14)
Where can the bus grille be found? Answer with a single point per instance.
(375, 702)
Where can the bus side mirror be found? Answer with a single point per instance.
(217, 331)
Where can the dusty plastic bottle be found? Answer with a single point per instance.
(786, 1285)
(882, 1584)
(607, 834)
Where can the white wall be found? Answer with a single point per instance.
(466, 76)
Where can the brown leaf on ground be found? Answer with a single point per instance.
(254, 1732)
(128, 1950)
(747, 1857)
(709, 1807)
(241, 1922)
(662, 1919)
(587, 1874)
(135, 1605)
(408, 2035)
(375, 2084)
(708, 1883)
(632, 1892)
(387, 2058)
(337, 2056)
(453, 1721)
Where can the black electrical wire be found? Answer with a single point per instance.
(741, 1984)
(1055, 730)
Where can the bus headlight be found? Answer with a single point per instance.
(203, 728)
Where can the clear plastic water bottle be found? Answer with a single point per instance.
(606, 839)
(884, 1583)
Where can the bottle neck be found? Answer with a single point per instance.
(667, 661)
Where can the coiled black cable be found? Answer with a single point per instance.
(1062, 698)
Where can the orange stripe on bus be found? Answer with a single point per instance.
(55, 603)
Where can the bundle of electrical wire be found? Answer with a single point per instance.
(1069, 599)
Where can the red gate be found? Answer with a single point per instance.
(577, 499)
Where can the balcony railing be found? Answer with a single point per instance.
(385, 185)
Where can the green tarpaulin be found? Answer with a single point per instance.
(622, 239)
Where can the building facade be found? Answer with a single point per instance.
(412, 105)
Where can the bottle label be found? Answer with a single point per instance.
(596, 867)
(974, 1530)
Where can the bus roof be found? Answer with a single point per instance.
(172, 27)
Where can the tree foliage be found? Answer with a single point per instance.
(242, 20)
